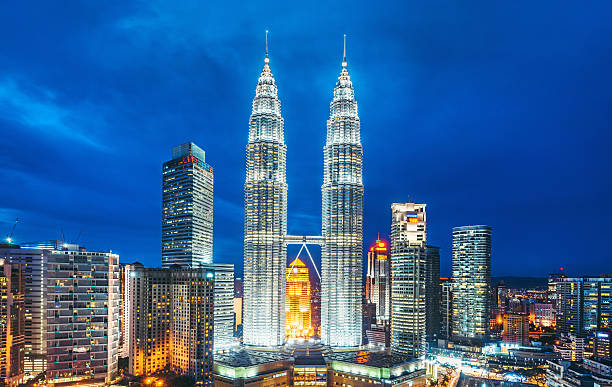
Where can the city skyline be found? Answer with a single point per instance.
(80, 124)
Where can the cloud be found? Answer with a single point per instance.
(38, 109)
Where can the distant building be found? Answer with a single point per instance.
(602, 347)
(446, 308)
(125, 301)
(187, 208)
(516, 329)
(297, 305)
(378, 279)
(432, 292)
(543, 314)
(82, 317)
(570, 347)
(223, 305)
(471, 282)
(12, 323)
(408, 278)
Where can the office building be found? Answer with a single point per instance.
(82, 317)
(265, 218)
(125, 306)
(297, 309)
(516, 329)
(471, 282)
(342, 226)
(34, 263)
(187, 208)
(378, 280)
(12, 323)
(238, 307)
(408, 278)
(446, 308)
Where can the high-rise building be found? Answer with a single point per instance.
(12, 323)
(543, 314)
(584, 305)
(148, 316)
(297, 310)
(342, 226)
(408, 278)
(378, 280)
(471, 282)
(516, 329)
(187, 208)
(223, 294)
(173, 321)
(432, 292)
(34, 272)
(125, 302)
(82, 316)
(446, 308)
(265, 218)
(570, 347)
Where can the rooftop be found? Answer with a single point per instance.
(372, 359)
(250, 357)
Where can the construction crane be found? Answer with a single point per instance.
(9, 236)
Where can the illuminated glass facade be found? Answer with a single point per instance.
(408, 278)
(187, 208)
(378, 280)
(471, 283)
(265, 218)
(342, 215)
(297, 309)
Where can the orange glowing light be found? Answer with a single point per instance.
(362, 357)
(297, 302)
(381, 244)
(413, 220)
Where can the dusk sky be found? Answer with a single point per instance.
(496, 113)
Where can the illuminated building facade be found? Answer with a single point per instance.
(297, 309)
(570, 347)
(223, 305)
(82, 317)
(125, 306)
(149, 318)
(12, 323)
(378, 280)
(172, 314)
(543, 314)
(265, 218)
(516, 329)
(408, 278)
(603, 347)
(187, 208)
(342, 226)
(253, 368)
(471, 282)
(34, 272)
(446, 308)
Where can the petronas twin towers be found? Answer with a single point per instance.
(265, 220)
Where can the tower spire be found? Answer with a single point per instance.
(267, 58)
(344, 63)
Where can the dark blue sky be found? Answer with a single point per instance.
(493, 113)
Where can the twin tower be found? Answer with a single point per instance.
(265, 219)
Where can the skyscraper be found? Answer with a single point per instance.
(378, 280)
(187, 208)
(432, 291)
(12, 321)
(446, 308)
(471, 282)
(516, 329)
(408, 278)
(297, 310)
(342, 226)
(265, 218)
